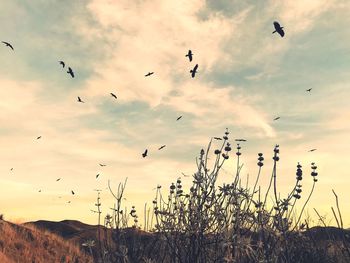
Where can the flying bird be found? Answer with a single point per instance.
(189, 55)
(178, 118)
(161, 147)
(309, 90)
(240, 140)
(149, 74)
(97, 175)
(8, 44)
(73, 192)
(68, 202)
(194, 71)
(312, 150)
(40, 191)
(38, 137)
(186, 175)
(58, 179)
(103, 164)
(11, 169)
(113, 95)
(278, 29)
(218, 138)
(62, 63)
(145, 153)
(70, 71)
(277, 118)
(79, 100)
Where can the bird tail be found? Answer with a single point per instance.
(274, 32)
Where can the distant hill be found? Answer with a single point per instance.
(24, 243)
(77, 233)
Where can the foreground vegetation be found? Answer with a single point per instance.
(227, 223)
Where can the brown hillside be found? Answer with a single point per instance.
(20, 243)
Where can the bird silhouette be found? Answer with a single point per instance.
(8, 44)
(149, 74)
(312, 150)
(39, 191)
(194, 71)
(68, 202)
(189, 55)
(178, 118)
(103, 164)
(97, 175)
(186, 175)
(278, 29)
(62, 63)
(277, 118)
(218, 138)
(70, 71)
(309, 90)
(161, 147)
(11, 169)
(145, 153)
(113, 95)
(240, 140)
(58, 179)
(79, 100)
(38, 137)
(73, 192)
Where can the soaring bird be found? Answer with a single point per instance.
(11, 169)
(240, 140)
(113, 95)
(278, 29)
(145, 153)
(8, 44)
(97, 175)
(218, 138)
(312, 150)
(277, 118)
(68, 202)
(58, 179)
(189, 55)
(178, 118)
(103, 164)
(161, 147)
(79, 100)
(73, 192)
(194, 71)
(38, 137)
(62, 63)
(149, 74)
(309, 90)
(70, 71)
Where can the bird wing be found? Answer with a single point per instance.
(281, 32)
(7, 44)
(70, 71)
(276, 24)
(195, 67)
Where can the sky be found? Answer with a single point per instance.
(246, 77)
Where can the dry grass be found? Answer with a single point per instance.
(27, 244)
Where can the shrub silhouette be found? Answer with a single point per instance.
(227, 223)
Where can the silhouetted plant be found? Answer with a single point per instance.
(220, 223)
